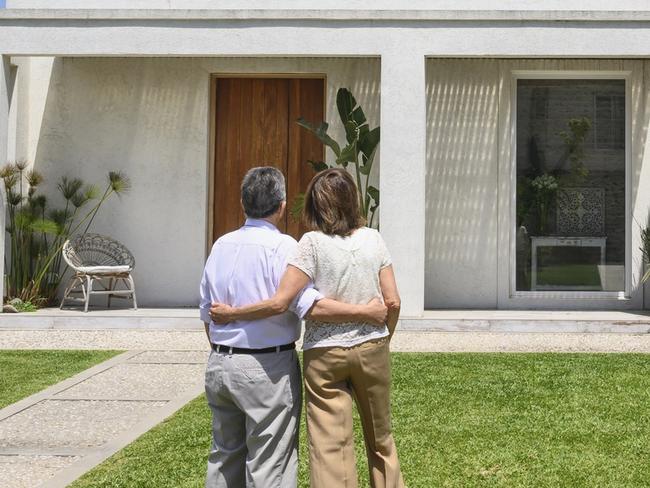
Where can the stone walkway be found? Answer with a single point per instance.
(53, 437)
(56, 435)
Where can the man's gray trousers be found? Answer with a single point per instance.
(255, 401)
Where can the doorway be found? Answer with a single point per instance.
(253, 123)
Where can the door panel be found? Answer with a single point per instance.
(306, 100)
(251, 130)
(255, 126)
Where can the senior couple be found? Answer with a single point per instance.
(257, 286)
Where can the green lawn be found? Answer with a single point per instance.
(24, 372)
(462, 420)
(569, 275)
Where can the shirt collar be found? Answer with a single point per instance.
(260, 223)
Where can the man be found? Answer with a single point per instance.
(252, 379)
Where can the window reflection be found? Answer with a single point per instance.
(570, 185)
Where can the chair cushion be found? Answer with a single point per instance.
(103, 269)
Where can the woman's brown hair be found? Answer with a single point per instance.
(332, 203)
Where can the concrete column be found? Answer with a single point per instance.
(5, 97)
(402, 172)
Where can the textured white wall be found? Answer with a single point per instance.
(149, 118)
(461, 183)
(339, 4)
(32, 84)
(5, 97)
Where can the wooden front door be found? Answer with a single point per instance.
(255, 125)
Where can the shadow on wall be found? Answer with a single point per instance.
(147, 118)
(461, 183)
(640, 153)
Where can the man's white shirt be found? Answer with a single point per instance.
(245, 267)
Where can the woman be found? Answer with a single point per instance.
(350, 263)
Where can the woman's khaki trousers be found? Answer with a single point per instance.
(333, 376)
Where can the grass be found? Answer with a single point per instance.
(569, 275)
(461, 420)
(25, 372)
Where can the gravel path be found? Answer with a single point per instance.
(410, 341)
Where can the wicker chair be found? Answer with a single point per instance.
(98, 260)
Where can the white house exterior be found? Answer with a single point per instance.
(464, 91)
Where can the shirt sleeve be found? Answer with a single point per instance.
(384, 256)
(204, 291)
(305, 300)
(304, 257)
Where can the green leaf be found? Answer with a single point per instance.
(348, 154)
(45, 225)
(119, 182)
(358, 116)
(374, 194)
(321, 133)
(68, 187)
(318, 166)
(59, 216)
(368, 141)
(91, 192)
(351, 114)
(23, 219)
(345, 104)
(366, 167)
(297, 206)
(351, 131)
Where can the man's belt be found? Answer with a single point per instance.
(243, 350)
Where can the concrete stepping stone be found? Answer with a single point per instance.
(138, 382)
(78, 423)
(25, 471)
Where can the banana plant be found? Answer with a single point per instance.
(359, 150)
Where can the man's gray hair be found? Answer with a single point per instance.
(262, 192)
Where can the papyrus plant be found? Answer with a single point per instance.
(37, 231)
(359, 150)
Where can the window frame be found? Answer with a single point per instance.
(569, 75)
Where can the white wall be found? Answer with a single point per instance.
(339, 4)
(461, 183)
(32, 84)
(149, 118)
(6, 88)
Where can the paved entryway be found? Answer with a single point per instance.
(52, 437)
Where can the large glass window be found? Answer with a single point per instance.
(570, 185)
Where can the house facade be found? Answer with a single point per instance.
(513, 167)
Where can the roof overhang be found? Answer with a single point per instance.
(337, 14)
(296, 32)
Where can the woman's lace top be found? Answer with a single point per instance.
(344, 269)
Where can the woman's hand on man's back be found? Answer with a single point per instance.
(376, 312)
